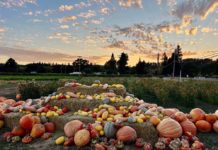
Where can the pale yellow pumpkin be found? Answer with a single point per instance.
(82, 138)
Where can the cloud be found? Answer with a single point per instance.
(104, 11)
(17, 3)
(130, 3)
(64, 27)
(90, 13)
(117, 45)
(191, 31)
(66, 7)
(195, 7)
(65, 37)
(188, 53)
(2, 21)
(37, 20)
(68, 18)
(96, 21)
(206, 29)
(2, 30)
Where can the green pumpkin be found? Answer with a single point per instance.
(131, 120)
(109, 130)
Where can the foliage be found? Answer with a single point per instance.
(110, 66)
(122, 63)
(11, 65)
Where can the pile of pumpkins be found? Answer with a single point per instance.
(30, 127)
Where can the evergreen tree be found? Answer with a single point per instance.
(122, 63)
(11, 65)
(164, 64)
(140, 67)
(110, 66)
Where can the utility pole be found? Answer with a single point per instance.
(158, 64)
(174, 58)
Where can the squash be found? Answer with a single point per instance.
(211, 118)
(18, 97)
(27, 139)
(27, 122)
(215, 126)
(46, 135)
(49, 127)
(18, 131)
(203, 126)
(170, 111)
(126, 134)
(131, 119)
(109, 129)
(216, 113)
(37, 120)
(72, 127)
(82, 138)
(1, 123)
(68, 141)
(60, 140)
(169, 128)
(154, 120)
(197, 114)
(188, 126)
(180, 116)
(6, 135)
(44, 119)
(37, 130)
(9, 102)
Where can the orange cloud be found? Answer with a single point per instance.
(64, 27)
(191, 31)
(206, 29)
(129, 3)
(90, 13)
(68, 18)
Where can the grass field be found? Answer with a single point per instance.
(36, 77)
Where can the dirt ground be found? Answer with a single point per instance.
(9, 90)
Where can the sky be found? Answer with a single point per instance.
(58, 31)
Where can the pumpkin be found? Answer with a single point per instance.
(169, 128)
(203, 126)
(72, 127)
(216, 113)
(18, 97)
(215, 126)
(126, 134)
(1, 123)
(109, 129)
(197, 114)
(1, 116)
(49, 127)
(189, 126)
(46, 135)
(37, 120)
(27, 122)
(2, 99)
(133, 109)
(6, 135)
(37, 130)
(211, 118)
(27, 139)
(180, 116)
(18, 131)
(131, 119)
(10, 102)
(169, 111)
(44, 119)
(82, 137)
(99, 147)
(154, 120)
(68, 141)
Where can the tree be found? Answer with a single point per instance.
(80, 64)
(11, 65)
(110, 66)
(164, 64)
(140, 67)
(122, 62)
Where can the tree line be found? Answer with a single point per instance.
(166, 67)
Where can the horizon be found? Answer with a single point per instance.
(59, 31)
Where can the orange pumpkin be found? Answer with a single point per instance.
(37, 120)
(72, 127)
(49, 127)
(18, 131)
(215, 126)
(18, 96)
(27, 139)
(82, 138)
(180, 116)
(126, 134)
(10, 102)
(197, 114)
(27, 122)
(2, 99)
(170, 111)
(169, 128)
(189, 126)
(203, 126)
(211, 118)
(154, 120)
(37, 130)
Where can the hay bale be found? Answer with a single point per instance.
(89, 90)
(12, 119)
(74, 104)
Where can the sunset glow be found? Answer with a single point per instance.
(58, 31)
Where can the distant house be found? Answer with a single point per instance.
(75, 73)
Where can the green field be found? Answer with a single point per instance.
(36, 77)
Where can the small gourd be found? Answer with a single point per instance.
(60, 140)
(131, 120)
(109, 129)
